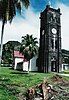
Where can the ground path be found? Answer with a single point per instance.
(64, 74)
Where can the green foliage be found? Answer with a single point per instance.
(29, 46)
(8, 50)
(8, 8)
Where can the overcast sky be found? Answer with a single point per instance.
(29, 22)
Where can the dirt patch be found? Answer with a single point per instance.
(57, 79)
(59, 90)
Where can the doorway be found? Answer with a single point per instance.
(53, 66)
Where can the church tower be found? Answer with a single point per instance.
(50, 41)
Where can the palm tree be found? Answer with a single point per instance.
(29, 48)
(8, 10)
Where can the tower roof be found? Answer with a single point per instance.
(48, 7)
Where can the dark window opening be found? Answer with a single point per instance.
(52, 43)
(53, 66)
(56, 44)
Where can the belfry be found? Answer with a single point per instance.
(50, 41)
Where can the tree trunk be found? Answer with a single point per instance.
(13, 58)
(28, 65)
(2, 32)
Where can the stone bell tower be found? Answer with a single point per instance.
(50, 41)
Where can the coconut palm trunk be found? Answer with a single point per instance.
(28, 66)
(2, 32)
(8, 9)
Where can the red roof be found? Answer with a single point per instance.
(18, 54)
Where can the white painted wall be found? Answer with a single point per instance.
(33, 66)
(25, 66)
(17, 60)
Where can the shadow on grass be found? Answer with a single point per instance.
(4, 79)
(11, 68)
(19, 72)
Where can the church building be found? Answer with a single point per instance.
(50, 41)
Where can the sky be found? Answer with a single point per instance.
(29, 22)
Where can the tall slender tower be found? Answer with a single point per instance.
(50, 41)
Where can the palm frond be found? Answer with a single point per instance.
(8, 8)
(30, 48)
(25, 3)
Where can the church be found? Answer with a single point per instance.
(49, 57)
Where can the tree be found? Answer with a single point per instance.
(7, 54)
(8, 10)
(29, 48)
(8, 51)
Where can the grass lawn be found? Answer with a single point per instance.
(66, 72)
(13, 82)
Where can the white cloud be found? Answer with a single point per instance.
(65, 26)
(20, 27)
(31, 25)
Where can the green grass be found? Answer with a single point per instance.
(66, 71)
(12, 82)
